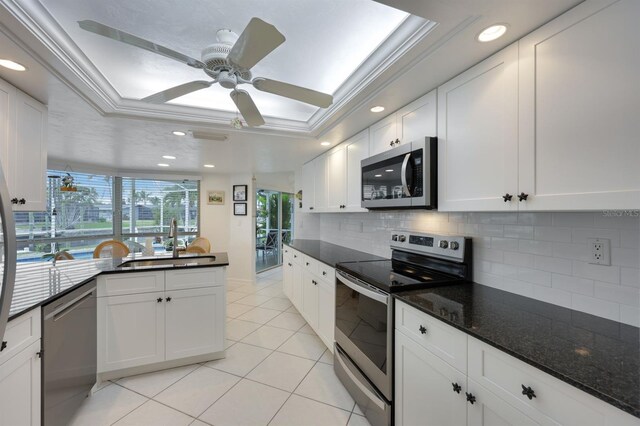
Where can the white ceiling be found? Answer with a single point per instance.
(90, 125)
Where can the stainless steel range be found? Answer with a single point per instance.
(363, 358)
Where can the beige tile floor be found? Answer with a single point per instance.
(277, 372)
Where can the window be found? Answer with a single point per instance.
(78, 220)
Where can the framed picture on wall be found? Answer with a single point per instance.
(240, 209)
(239, 192)
(215, 198)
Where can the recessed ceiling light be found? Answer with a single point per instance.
(178, 133)
(325, 143)
(168, 157)
(377, 175)
(7, 63)
(377, 108)
(210, 166)
(491, 33)
(389, 170)
(163, 165)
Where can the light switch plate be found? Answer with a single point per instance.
(600, 251)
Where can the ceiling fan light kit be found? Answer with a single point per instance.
(228, 62)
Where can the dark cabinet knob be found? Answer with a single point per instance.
(310, 208)
(470, 398)
(397, 141)
(39, 353)
(324, 273)
(507, 197)
(3, 345)
(523, 196)
(456, 387)
(528, 392)
(159, 300)
(14, 201)
(391, 143)
(168, 299)
(423, 329)
(22, 201)
(295, 256)
(289, 264)
(307, 263)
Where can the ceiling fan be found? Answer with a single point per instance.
(228, 62)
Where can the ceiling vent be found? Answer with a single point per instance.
(220, 137)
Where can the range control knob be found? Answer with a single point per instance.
(444, 244)
(394, 237)
(454, 245)
(402, 238)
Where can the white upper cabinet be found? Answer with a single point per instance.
(478, 136)
(320, 183)
(418, 119)
(357, 149)
(579, 105)
(336, 178)
(383, 134)
(23, 148)
(308, 187)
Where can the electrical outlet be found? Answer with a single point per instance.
(600, 249)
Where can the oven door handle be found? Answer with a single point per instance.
(382, 298)
(370, 393)
(403, 175)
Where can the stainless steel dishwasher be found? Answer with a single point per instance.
(69, 354)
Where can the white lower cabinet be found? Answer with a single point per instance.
(20, 388)
(310, 299)
(287, 275)
(491, 392)
(192, 322)
(326, 312)
(146, 328)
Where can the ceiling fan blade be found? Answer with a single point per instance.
(247, 108)
(256, 41)
(177, 91)
(291, 91)
(116, 34)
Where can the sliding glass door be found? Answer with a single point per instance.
(274, 226)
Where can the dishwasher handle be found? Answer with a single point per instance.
(68, 307)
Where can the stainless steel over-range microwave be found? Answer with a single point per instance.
(403, 177)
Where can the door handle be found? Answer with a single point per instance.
(403, 175)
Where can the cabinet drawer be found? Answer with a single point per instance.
(296, 256)
(441, 339)
(310, 265)
(194, 278)
(20, 333)
(555, 402)
(134, 283)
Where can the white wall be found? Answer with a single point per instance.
(538, 255)
(215, 220)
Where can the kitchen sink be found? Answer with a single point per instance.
(171, 261)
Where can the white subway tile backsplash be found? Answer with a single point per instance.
(620, 219)
(539, 255)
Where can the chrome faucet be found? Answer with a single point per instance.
(173, 233)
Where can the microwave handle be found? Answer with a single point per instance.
(403, 175)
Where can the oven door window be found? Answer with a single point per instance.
(364, 321)
(385, 180)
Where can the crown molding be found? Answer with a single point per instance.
(105, 99)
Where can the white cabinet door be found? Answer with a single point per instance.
(478, 136)
(579, 103)
(20, 388)
(418, 119)
(287, 276)
(357, 149)
(320, 184)
(489, 410)
(424, 386)
(383, 135)
(131, 330)
(308, 188)
(310, 299)
(28, 151)
(297, 284)
(327, 311)
(336, 179)
(194, 322)
(7, 123)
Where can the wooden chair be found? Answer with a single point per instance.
(195, 249)
(111, 248)
(202, 243)
(63, 255)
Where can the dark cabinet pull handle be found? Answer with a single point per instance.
(456, 387)
(168, 299)
(22, 201)
(422, 329)
(3, 345)
(523, 196)
(507, 197)
(14, 201)
(159, 299)
(470, 398)
(528, 392)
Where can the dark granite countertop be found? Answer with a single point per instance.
(599, 356)
(330, 254)
(39, 283)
